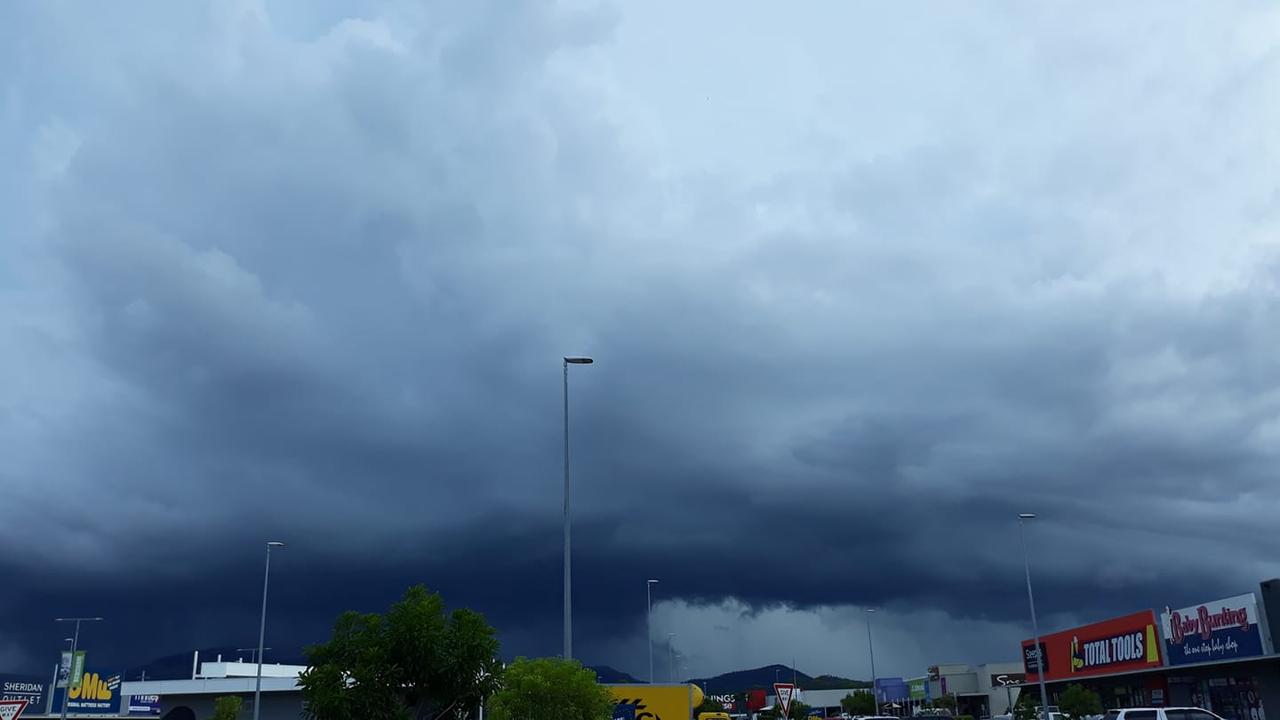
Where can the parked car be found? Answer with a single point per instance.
(1169, 713)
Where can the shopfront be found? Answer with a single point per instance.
(1218, 631)
(1234, 690)
(1216, 655)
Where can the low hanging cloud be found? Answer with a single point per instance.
(862, 284)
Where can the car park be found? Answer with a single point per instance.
(1151, 713)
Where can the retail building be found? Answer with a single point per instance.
(981, 691)
(1217, 654)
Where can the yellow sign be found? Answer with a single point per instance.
(91, 687)
(659, 702)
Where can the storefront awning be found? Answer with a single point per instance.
(1152, 670)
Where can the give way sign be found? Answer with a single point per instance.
(11, 709)
(785, 692)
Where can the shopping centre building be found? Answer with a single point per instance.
(1218, 655)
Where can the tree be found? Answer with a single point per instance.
(946, 702)
(1078, 701)
(798, 710)
(227, 707)
(413, 663)
(1026, 707)
(856, 704)
(550, 689)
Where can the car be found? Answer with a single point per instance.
(1165, 713)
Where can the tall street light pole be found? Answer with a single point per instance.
(262, 627)
(75, 643)
(1031, 600)
(649, 623)
(568, 572)
(671, 657)
(871, 649)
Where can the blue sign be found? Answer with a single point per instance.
(144, 704)
(97, 695)
(1217, 630)
(22, 687)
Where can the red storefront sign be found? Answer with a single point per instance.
(1115, 645)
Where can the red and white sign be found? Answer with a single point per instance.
(784, 692)
(12, 709)
(1115, 645)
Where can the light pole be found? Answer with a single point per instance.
(568, 573)
(671, 657)
(875, 695)
(648, 586)
(75, 643)
(1031, 600)
(262, 627)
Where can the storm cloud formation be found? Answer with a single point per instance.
(862, 283)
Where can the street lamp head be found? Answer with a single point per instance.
(578, 360)
(1026, 516)
(81, 619)
(870, 610)
(275, 544)
(654, 581)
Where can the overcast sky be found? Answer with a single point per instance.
(862, 281)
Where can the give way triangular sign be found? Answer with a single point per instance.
(11, 709)
(784, 692)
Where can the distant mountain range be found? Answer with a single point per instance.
(765, 677)
(178, 666)
(606, 674)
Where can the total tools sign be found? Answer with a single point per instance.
(1118, 644)
(1226, 628)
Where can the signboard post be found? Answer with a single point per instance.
(784, 692)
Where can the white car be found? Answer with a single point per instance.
(1169, 713)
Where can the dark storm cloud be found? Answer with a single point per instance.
(281, 271)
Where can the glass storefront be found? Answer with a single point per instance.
(1235, 698)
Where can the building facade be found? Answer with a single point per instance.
(1217, 654)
